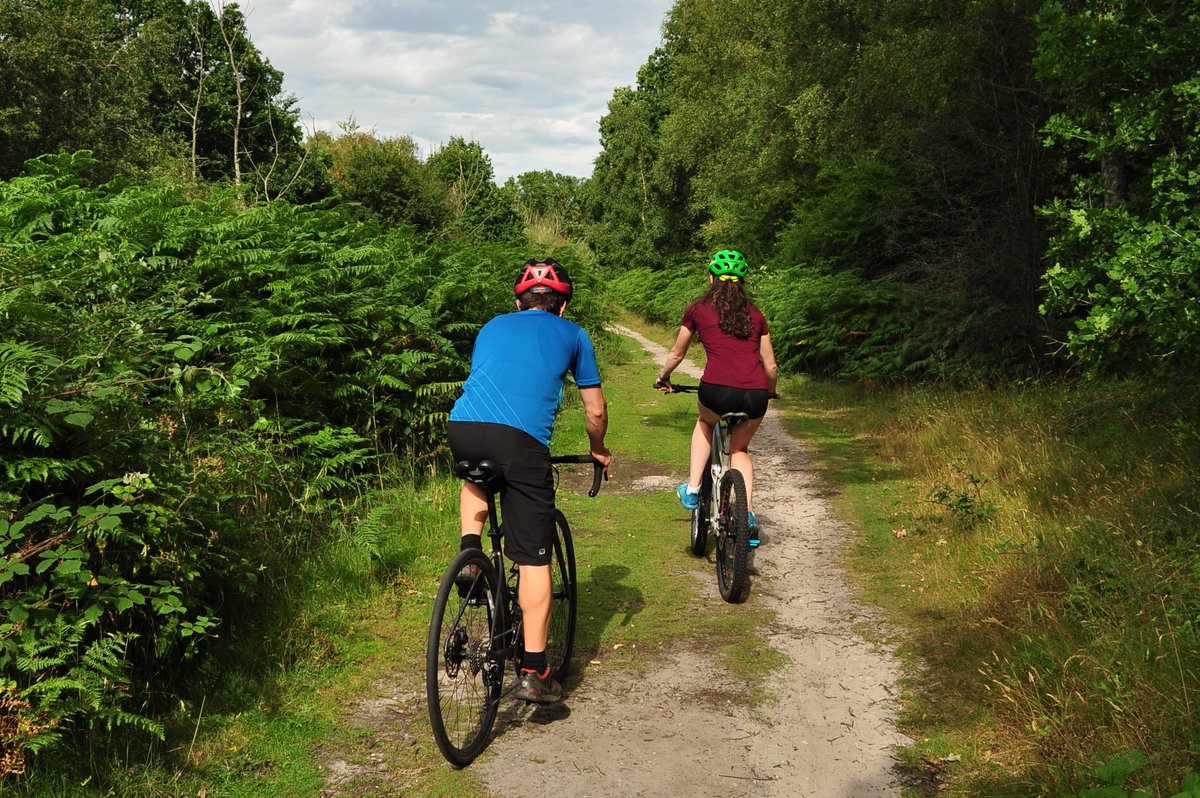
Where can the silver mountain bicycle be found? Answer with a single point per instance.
(722, 511)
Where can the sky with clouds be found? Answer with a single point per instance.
(527, 79)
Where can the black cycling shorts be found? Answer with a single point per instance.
(527, 500)
(722, 399)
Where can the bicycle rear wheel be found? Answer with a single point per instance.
(733, 539)
(563, 601)
(700, 516)
(462, 677)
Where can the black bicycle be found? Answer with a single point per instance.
(722, 512)
(476, 627)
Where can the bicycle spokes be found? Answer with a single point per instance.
(462, 683)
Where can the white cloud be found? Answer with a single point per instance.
(528, 80)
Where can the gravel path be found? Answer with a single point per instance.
(828, 733)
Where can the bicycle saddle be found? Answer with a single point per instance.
(485, 473)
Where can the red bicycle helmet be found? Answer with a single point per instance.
(543, 277)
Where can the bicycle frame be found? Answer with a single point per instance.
(507, 631)
(508, 639)
(719, 458)
(505, 613)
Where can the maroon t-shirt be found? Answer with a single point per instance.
(733, 362)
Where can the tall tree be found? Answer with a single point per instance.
(638, 199)
(889, 141)
(479, 208)
(873, 136)
(77, 75)
(233, 106)
(549, 202)
(383, 177)
(1126, 244)
(137, 81)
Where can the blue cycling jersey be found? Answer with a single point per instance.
(517, 371)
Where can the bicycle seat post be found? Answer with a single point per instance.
(489, 476)
(493, 522)
(729, 421)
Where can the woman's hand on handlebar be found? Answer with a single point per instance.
(663, 385)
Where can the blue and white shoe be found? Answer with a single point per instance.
(753, 522)
(689, 500)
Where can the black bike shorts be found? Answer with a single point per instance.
(722, 399)
(527, 499)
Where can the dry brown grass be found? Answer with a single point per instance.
(1037, 545)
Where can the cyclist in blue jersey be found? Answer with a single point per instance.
(506, 414)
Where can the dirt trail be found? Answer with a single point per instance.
(828, 734)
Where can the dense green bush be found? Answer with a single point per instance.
(841, 325)
(845, 326)
(659, 295)
(187, 386)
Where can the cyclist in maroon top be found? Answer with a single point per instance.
(739, 374)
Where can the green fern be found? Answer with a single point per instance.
(14, 372)
(439, 389)
(182, 381)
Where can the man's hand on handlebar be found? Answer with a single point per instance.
(604, 457)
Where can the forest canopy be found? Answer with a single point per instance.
(928, 190)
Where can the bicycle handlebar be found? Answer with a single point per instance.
(598, 469)
(696, 389)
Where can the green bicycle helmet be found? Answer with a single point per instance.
(728, 264)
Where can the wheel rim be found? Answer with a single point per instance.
(463, 683)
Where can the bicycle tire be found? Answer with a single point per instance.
(564, 599)
(463, 680)
(733, 539)
(700, 516)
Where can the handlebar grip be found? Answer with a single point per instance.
(597, 469)
(597, 472)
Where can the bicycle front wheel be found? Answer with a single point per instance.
(563, 600)
(462, 676)
(733, 538)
